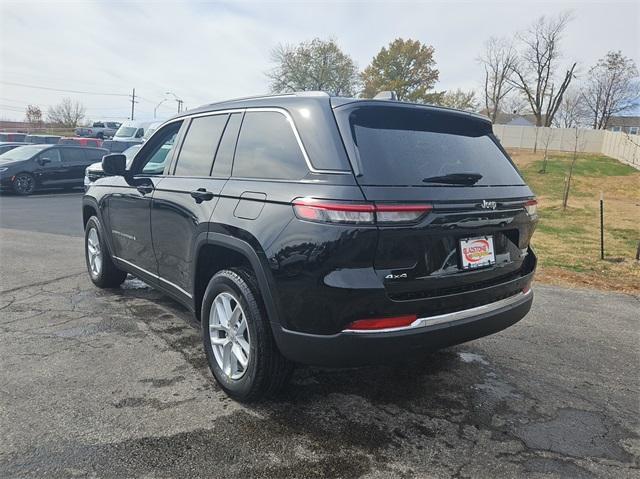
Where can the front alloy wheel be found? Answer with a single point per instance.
(94, 252)
(230, 339)
(24, 184)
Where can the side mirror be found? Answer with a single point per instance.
(43, 161)
(140, 133)
(115, 164)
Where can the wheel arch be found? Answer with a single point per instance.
(216, 251)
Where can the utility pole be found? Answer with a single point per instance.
(133, 102)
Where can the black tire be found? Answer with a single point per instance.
(24, 184)
(107, 275)
(267, 371)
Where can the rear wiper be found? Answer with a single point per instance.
(455, 179)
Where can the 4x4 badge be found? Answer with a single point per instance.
(396, 276)
(488, 205)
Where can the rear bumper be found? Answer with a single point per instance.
(425, 334)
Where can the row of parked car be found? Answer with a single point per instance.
(31, 162)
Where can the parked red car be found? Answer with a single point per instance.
(72, 140)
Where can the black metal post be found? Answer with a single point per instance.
(601, 225)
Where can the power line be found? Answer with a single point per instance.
(62, 90)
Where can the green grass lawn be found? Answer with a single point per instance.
(568, 241)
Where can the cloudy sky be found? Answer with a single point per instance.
(205, 51)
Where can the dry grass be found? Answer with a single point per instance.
(568, 242)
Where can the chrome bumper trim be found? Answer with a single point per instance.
(452, 317)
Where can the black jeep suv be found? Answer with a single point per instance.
(302, 228)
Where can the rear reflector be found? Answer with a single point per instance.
(532, 207)
(381, 323)
(357, 213)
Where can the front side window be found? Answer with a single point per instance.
(267, 148)
(633, 130)
(154, 155)
(52, 155)
(200, 145)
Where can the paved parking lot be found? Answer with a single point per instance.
(115, 384)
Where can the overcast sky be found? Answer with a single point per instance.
(205, 51)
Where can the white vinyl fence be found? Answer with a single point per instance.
(618, 145)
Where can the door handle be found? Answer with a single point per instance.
(144, 189)
(201, 195)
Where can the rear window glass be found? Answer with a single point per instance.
(411, 146)
(200, 145)
(267, 148)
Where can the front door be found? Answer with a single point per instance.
(129, 205)
(50, 170)
(184, 202)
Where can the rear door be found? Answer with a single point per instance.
(74, 161)
(477, 230)
(184, 202)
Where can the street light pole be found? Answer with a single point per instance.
(178, 100)
(155, 110)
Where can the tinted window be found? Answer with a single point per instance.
(200, 145)
(72, 155)
(53, 155)
(404, 146)
(267, 148)
(155, 153)
(224, 157)
(98, 125)
(94, 155)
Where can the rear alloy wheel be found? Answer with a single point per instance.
(103, 272)
(237, 337)
(229, 336)
(24, 184)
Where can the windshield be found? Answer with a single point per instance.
(22, 152)
(126, 131)
(400, 146)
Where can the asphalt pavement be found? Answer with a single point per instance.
(114, 383)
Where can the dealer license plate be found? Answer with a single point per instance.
(477, 252)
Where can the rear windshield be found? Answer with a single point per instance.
(400, 146)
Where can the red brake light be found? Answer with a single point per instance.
(381, 323)
(357, 213)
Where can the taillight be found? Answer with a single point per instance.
(357, 213)
(532, 207)
(381, 323)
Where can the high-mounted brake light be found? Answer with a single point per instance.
(357, 213)
(381, 323)
(532, 207)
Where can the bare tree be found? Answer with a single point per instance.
(515, 103)
(612, 87)
(567, 183)
(67, 113)
(572, 111)
(460, 99)
(534, 75)
(313, 65)
(499, 60)
(33, 115)
(548, 138)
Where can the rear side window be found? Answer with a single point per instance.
(407, 146)
(267, 148)
(94, 155)
(200, 145)
(226, 149)
(72, 155)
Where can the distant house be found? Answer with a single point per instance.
(626, 124)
